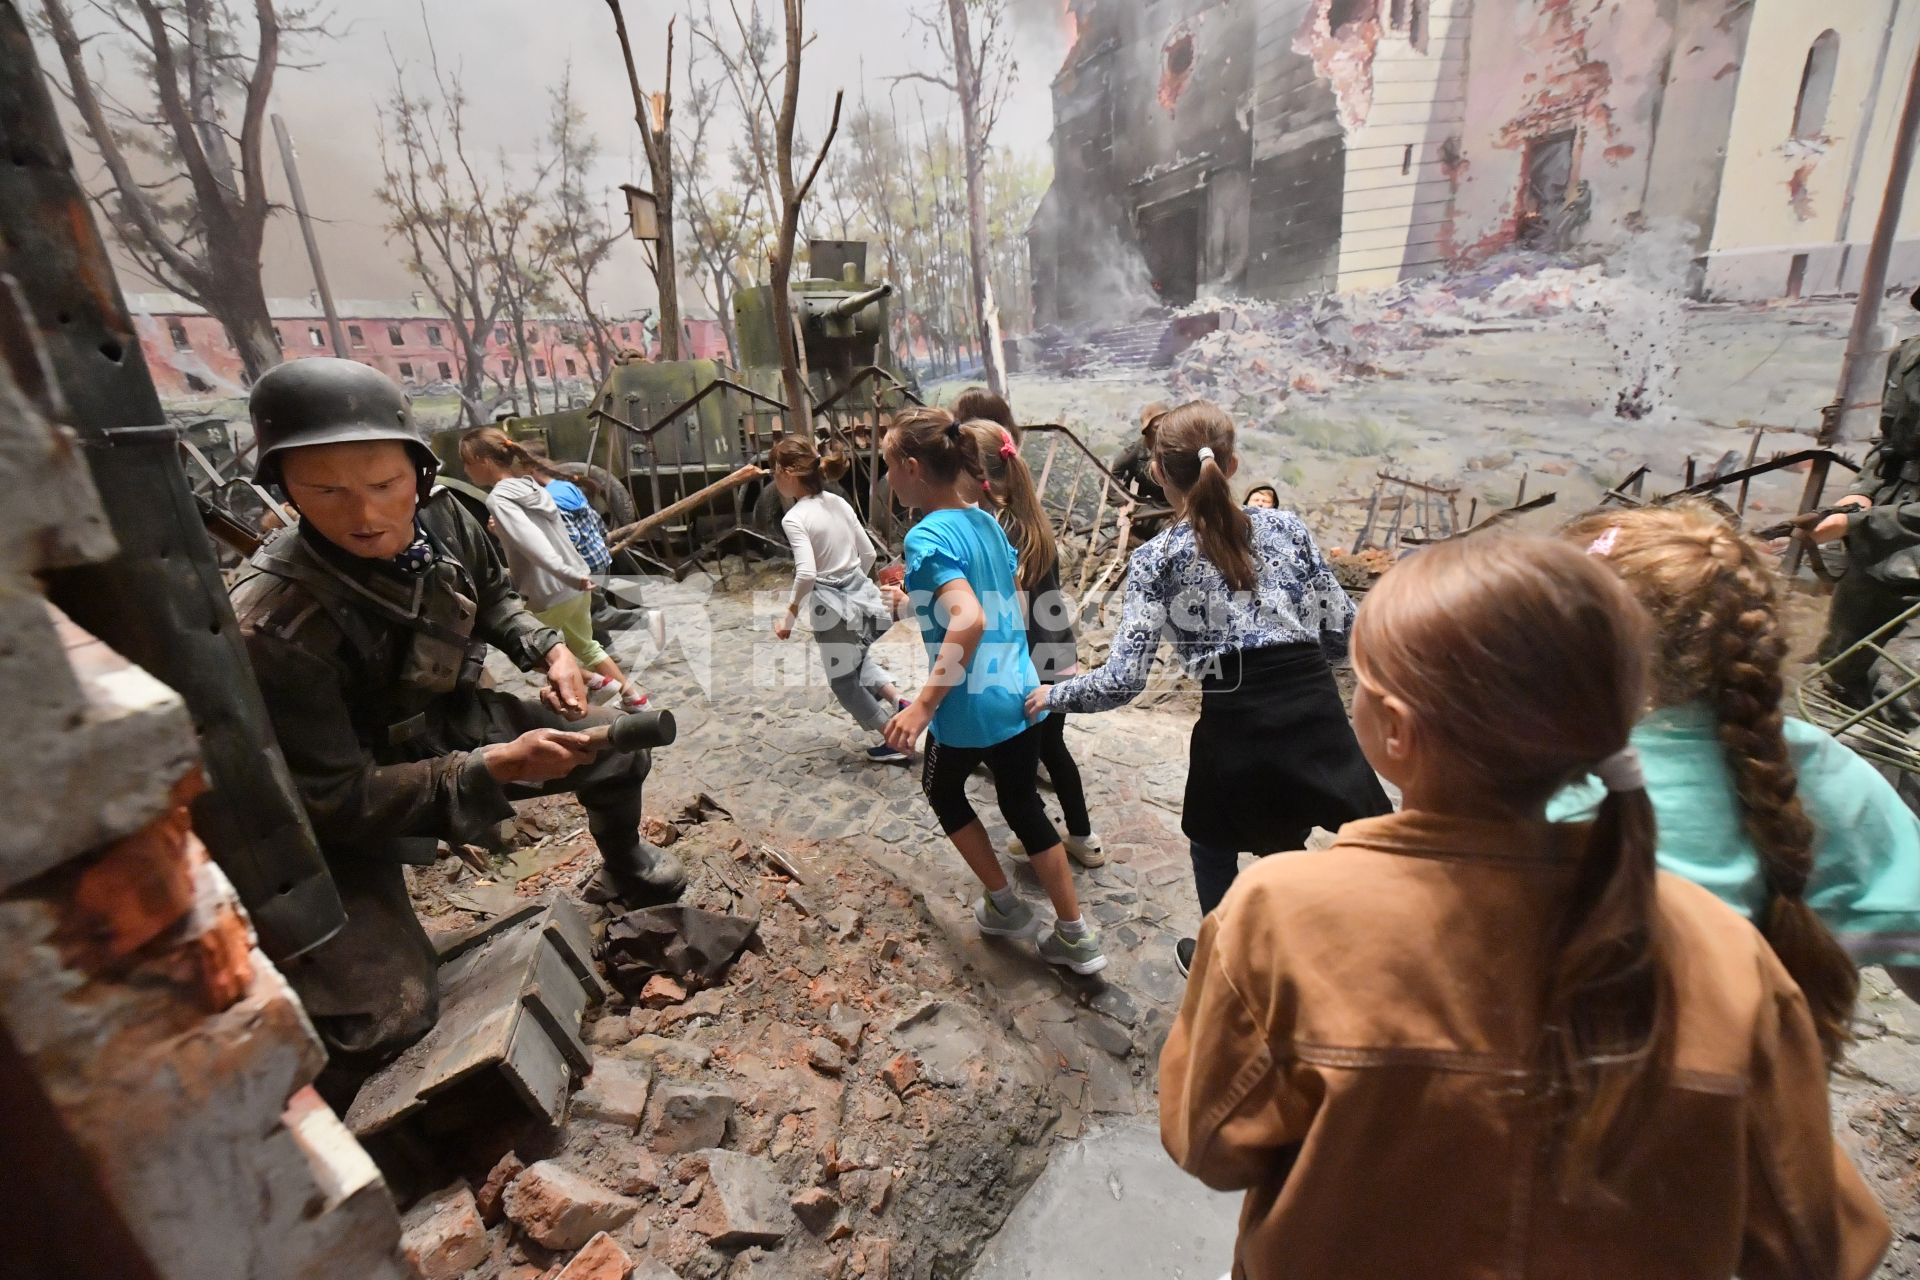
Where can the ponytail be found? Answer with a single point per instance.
(1010, 485)
(931, 437)
(1221, 526)
(496, 446)
(1607, 1031)
(797, 456)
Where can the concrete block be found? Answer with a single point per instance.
(614, 1092)
(743, 1203)
(689, 1117)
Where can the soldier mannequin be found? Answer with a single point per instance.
(367, 626)
(1883, 531)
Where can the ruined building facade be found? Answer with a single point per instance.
(1292, 147)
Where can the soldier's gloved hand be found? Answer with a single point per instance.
(538, 755)
(566, 691)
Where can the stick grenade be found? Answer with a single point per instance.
(637, 731)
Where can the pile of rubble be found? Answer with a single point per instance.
(815, 1113)
(1269, 352)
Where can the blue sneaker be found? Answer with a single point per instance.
(884, 754)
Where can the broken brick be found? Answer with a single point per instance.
(602, 1259)
(442, 1236)
(558, 1209)
(661, 992)
(509, 1167)
(901, 1073)
(816, 1207)
(890, 948)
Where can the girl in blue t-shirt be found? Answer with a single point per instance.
(960, 587)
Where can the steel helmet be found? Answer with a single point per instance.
(324, 400)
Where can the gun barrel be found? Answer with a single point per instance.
(846, 307)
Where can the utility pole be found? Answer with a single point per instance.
(1857, 398)
(338, 338)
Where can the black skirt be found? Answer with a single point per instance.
(1273, 755)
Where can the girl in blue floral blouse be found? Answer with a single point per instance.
(1252, 610)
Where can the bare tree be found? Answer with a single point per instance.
(573, 232)
(982, 72)
(441, 210)
(185, 194)
(654, 115)
(793, 194)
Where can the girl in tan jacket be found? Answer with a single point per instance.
(1465, 1042)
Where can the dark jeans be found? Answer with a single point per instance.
(1064, 774)
(1013, 763)
(1214, 870)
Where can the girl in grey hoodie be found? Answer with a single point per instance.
(546, 567)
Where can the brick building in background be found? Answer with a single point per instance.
(1278, 150)
(411, 342)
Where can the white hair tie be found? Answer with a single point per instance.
(1621, 771)
(1206, 453)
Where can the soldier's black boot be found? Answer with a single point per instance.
(642, 876)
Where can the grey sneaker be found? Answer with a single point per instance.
(995, 923)
(1085, 850)
(1082, 954)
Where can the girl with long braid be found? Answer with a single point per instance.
(1773, 815)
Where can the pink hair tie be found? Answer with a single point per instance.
(1603, 545)
(1007, 447)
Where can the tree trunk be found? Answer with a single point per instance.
(665, 275)
(240, 305)
(986, 315)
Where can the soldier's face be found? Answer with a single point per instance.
(359, 495)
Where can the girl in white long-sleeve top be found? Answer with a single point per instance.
(832, 557)
(547, 569)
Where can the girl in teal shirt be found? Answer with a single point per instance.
(961, 587)
(1782, 822)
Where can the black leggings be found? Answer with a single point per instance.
(1064, 773)
(1013, 763)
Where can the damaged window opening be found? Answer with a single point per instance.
(1417, 26)
(1816, 86)
(1342, 12)
(1406, 160)
(406, 371)
(539, 368)
(393, 335)
(1180, 56)
(1397, 15)
(178, 332)
(446, 371)
(315, 338)
(571, 369)
(355, 337)
(433, 335)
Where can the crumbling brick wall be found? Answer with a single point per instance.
(142, 1034)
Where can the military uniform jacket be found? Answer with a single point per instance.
(369, 678)
(1883, 541)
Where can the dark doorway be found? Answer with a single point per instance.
(1544, 183)
(1797, 275)
(1171, 239)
